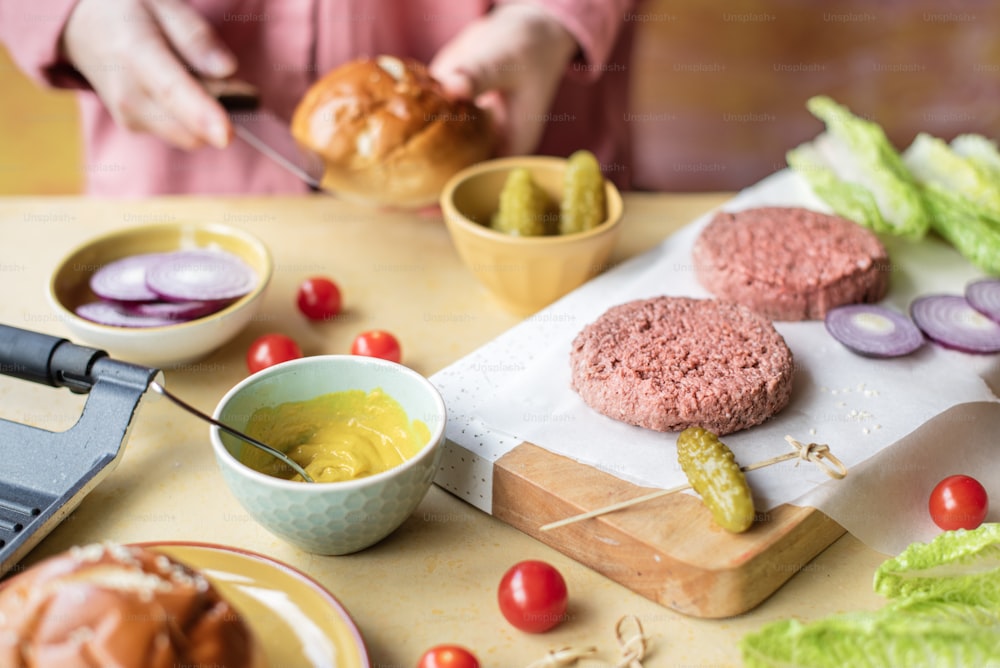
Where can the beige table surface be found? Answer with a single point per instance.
(434, 580)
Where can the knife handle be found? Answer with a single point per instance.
(233, 94)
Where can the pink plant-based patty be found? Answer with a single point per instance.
(669, 363)
(790, 263)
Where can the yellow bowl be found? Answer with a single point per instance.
(171, 345)
(524, 273)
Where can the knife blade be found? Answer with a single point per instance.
(271, 138)
(264, 131)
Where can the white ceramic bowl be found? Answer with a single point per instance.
(172, 345)
(330, 517)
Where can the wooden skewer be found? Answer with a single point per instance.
(818, 454)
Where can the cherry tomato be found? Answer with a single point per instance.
(271, 349)
(448, 656)
(958, 502)
(377, 343)
(319, 298)
(533, 596)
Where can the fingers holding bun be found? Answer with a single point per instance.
(387, 133)
(112, 605)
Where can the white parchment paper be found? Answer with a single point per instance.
(517, 389)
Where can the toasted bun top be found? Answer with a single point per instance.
(384, 123)
(111, 605)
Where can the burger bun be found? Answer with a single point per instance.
(114, 605)
(387, 133)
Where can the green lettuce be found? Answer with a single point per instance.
(933, 162)
(973, 234)
(979, 150)
(957, 565)
(850, 200)
(960, 184)
(855, 169)
(943, 610)
(919, 633)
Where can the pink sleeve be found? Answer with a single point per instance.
(31, 31)
(594, 23)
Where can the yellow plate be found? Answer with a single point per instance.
(298, 622)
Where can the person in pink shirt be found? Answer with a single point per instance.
(553, 73)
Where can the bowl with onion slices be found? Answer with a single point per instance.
(163, 294)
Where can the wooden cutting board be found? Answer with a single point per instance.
(668, 549)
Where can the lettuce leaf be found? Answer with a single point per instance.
(979, 150)
(973, 234)
(855, 168)
(953, 188)
(850, 200)
(957, 566)
(933, 162)
(944, 610)
(912, 633)
(960, 184)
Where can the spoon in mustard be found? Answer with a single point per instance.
(274, 452)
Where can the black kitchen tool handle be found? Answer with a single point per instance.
(46, 359)
(235, 95)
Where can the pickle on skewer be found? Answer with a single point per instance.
(712, 470)
(583, 206)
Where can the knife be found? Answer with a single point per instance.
(264, 131)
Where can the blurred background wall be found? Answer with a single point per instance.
(40, 151)
(719, 87)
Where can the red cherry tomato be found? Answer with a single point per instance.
(319, 298)
(533, 596)
(958, 502)
(448, 656)
(271, 349)
(377, 343)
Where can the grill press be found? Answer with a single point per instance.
(45, 474)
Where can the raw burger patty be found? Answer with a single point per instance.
(790, 263)
(669, 363)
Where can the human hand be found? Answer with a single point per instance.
(510, 62)
(139, 56)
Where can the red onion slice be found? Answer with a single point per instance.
(115, 315)
(873, 331)
(952, 322)
(175, 311)
(124, 280)
(200, 275)
(984, 296)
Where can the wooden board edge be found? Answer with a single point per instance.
(529, 490)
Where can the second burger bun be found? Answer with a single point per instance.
(115, 605)
(387, 133)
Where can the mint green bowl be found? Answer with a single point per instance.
(330, 517)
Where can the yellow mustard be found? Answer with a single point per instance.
(336, 436)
